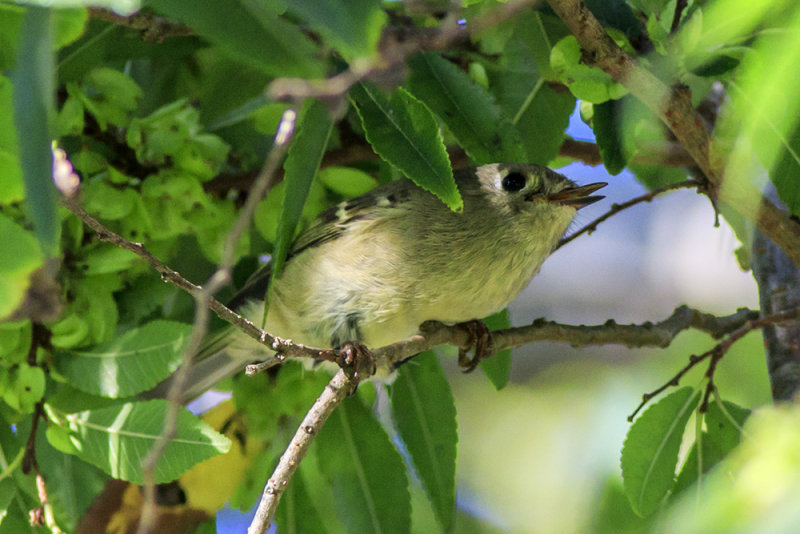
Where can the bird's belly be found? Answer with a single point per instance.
(472, 296)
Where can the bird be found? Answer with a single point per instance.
(372, 269)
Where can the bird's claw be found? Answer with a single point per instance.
(356, 360)
(481, 339)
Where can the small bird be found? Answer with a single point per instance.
(372, 269)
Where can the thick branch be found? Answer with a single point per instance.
(674, 107)
(779, 290)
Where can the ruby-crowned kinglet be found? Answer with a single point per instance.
(372, 269)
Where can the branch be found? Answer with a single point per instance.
(778, 282)
(203, 297)
(433, 333)
(396, 45)
(674, 107)
(715, 354)
(333, 394)
(616, 208)
(153, 29)
(283, 346)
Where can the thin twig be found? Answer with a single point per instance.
(283, 346)
(648, 334)
(680, 5)
(397, 44)
(616, 208)
(203, 298)
(333, 394)
(153, 29)
(715, 354)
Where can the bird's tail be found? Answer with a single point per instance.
(219, 357)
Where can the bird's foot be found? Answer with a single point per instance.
(356, 360)
(480, 338)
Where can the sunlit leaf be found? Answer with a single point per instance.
(352, 26)
(135, 361)
(650, 452)
(20, 258)
(118, 438)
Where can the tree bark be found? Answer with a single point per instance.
(778, 280)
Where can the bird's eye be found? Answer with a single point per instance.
(513, 181)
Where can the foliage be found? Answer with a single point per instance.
(167, 130)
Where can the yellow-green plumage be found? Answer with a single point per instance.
(374, 268)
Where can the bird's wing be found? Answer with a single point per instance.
(329, 225)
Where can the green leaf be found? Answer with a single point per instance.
(15, 340)
(615, 145)
(11, 185)
(118, 438)
(23, 387)
(424, 412)
(353, 27)
(719, 66)
(300, 167)
(654, 176)
(134, 362)
(786, 171)
(268, 212)
(467, 109)
(539, 113)
(33, 114)
(724, 424)
(68, 25)
(105, 259)
(108, 203)
(650, 452)
(251, 33)
(590, 84)
(367, 475)
(498, 367)
(20, 258)
(403, 132)
(346, 181)
(109, 95)
(539, 32)
(612, 511)
(297, 512)
(724, 432)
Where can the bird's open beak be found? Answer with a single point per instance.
(577, 196)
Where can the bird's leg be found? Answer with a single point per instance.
(481, 339)
(356, 360)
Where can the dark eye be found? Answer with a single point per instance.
(514, 181)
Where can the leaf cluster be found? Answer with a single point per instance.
(166, 135)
